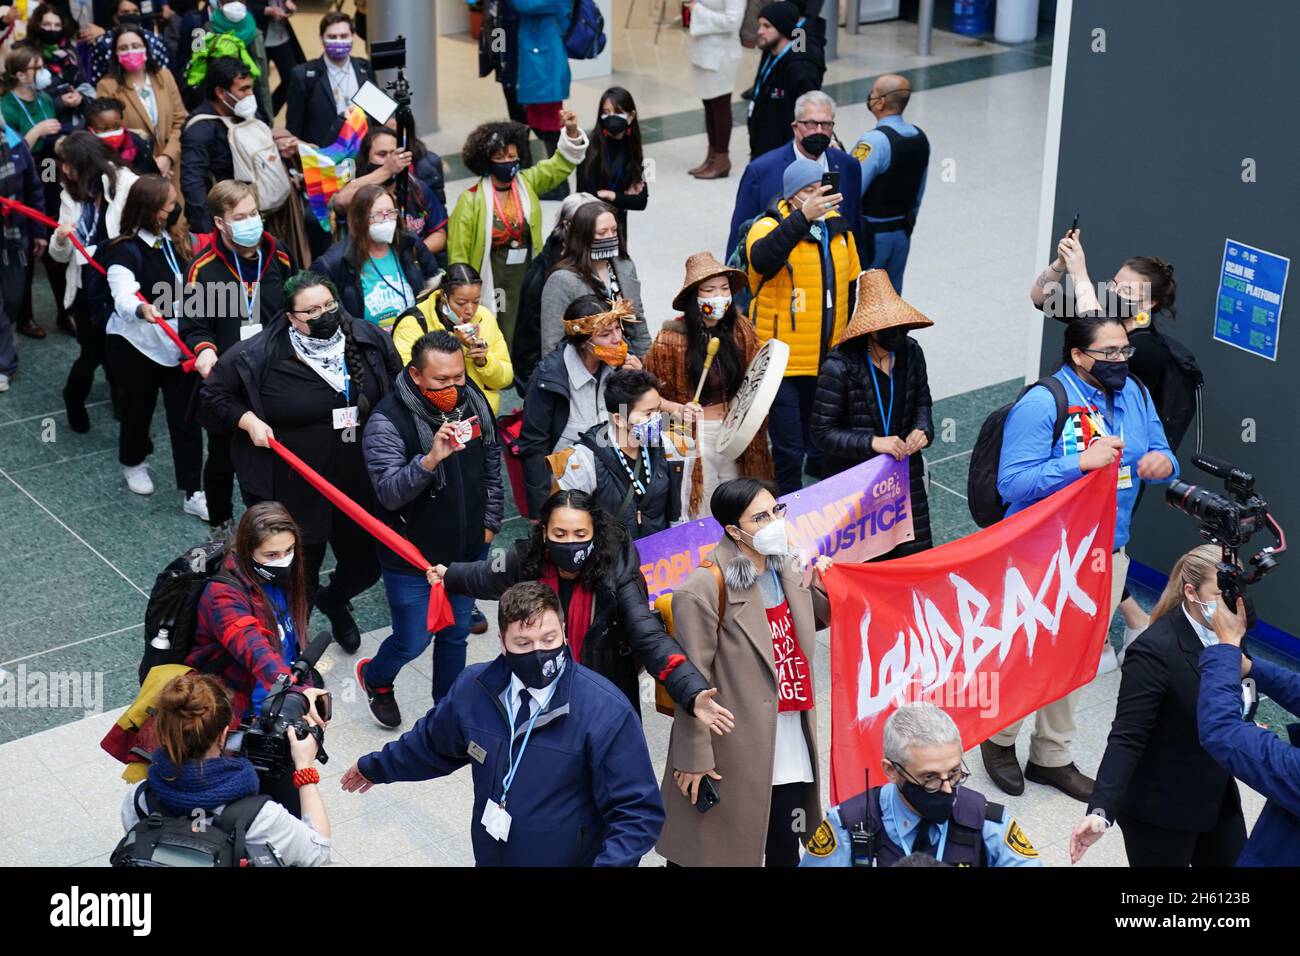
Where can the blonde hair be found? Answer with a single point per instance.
(193, 709)
(227, 194)
(1195, 568)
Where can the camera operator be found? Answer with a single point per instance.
(252, 619)
(1251, 753)
(189, 770)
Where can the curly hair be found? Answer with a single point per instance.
(610, 537)
(486, 139)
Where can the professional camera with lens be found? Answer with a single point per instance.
(261, 739)
(1229, 520)
(391, 55)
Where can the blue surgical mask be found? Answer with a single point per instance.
(1207, 611)
(246, 232)
(649, 432)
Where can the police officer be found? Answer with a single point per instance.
(924, 809)
(893, 157)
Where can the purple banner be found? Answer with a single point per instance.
(852, 516)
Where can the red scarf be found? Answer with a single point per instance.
(793, 676)
(577, 616)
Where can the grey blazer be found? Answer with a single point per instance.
(563, 287)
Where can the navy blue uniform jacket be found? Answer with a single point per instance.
(1253, 755)
(585, 793)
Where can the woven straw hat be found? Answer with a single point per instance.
(701, 266)
(879, 307)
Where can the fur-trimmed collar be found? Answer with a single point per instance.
(741, 574)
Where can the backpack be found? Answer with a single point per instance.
(256, 157)
(161, 840)
(214, 47)
(1179, 400)
(982, 497)
(664, 702)
(172, 613)
(585, 38)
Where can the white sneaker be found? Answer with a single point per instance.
(138, 480)
(197, 505)
(4, 383)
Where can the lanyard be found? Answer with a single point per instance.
(250, 298)
(174, 264)
(631, 472)
(765, 72)
(87, 237)
(885, 413)
(514, 230)
(40, 110)
(380, 272)
(516, 761)
(347, 385)
(1096, 415)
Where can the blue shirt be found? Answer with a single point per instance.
(1032, 467)
(288, 640)
(873, 153)
(1004, 842)
(384, 290)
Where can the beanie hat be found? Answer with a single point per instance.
(797, 175)
(783, 15)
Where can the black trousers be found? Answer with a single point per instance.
(1221, 845)
(90, 338)
(285, 58)
(141, 379)
(782, 847)
(219, 479)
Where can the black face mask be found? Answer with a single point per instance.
(49, 37)
(614, 124)
(277, 576)
(935, 807)
(504, 172)
(569, 556)
(324, 325)
(816, 144)
(537, 669)
(1111, 375)
(174, 216)
(893, 339)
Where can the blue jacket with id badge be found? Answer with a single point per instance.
(1032, 466)
(582, 792)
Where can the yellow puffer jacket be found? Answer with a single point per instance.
(497, 374)
(789, 304)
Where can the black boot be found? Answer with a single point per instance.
(342, 624)
(78, 418)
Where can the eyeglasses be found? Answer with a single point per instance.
(934, 782)
(316, 310)
(763, 517)
(386, 216)
(827, 125)
(1114, 354)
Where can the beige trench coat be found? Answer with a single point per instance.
(739, 662)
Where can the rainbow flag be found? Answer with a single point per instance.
(327, 170)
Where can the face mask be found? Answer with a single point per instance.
(606, 248)
(771, 539)
(569, 556)
(934, 807)
(133, 61)
(49, 37)
(275, 572)
(612, 355)
(648, 432)
(246, 108)
(615, 123)
(246, 232)
(1111, 375)
(113, 137)
(537, 669)
(816, 144)
(892, 339)
(383, 231)
(714, 307)
(174, 216)
(42, 79)
(234, 12)
(1207, 612)
(444, 399)
(324, 325)
(338, 49)
(504, 172)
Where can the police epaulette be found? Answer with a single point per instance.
(994, 812)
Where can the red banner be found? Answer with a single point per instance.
(989, 627)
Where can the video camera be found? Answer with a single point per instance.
(391, 55)
(262, 739)
(1230, 521)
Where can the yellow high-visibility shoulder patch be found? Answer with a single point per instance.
(861, 151)
(1018, 842)
(823, 842)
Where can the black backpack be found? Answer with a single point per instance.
(162, 840)
(173, 609)
(1179, 399)
(986, 505)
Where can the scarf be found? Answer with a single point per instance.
(245, 30)
(207, 783)
(577, 616)
(325, 356)
(429, 419)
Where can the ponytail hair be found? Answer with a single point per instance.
(1194, 568)
(193, 710)
(1160, 276)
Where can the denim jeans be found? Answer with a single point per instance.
(408, 601)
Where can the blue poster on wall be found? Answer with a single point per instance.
(1249, 311)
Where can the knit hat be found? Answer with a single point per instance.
(620, 311)
(802, 172)
(782, 15)
(879, 307)
(701, 266)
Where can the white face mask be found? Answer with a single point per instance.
(771, 539)
(42, 79)
(383, 231)
(713, 308)
(246, 108)
(234, 12)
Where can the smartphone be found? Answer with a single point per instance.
(324, 707)
(706, 798)
(467, 329)
(1074, 226)
(832, 179)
